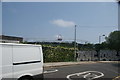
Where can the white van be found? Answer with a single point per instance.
(21, 61)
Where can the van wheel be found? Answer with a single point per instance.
(26, 78)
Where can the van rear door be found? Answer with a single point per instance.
(0, 61)
(7, 66)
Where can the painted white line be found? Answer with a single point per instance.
(51, 71)
(87, 74)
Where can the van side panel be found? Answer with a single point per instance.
(7, 67)
(0, 62)
(27, 60)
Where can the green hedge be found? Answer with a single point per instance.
(57, 54)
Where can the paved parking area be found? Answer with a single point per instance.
(106, 71)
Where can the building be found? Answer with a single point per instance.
(10, 39)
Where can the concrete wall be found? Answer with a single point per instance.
(103, 55)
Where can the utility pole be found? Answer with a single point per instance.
(99, 44)
(75, 44)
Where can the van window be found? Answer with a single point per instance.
(26, 53)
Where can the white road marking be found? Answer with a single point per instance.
(87, 74)
(51, 71)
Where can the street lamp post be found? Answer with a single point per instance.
(75, 44)
(100, 38)
(100, 43)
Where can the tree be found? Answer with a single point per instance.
(113, 41)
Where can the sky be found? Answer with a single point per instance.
(46, 20)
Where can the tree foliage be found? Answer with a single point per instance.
(113, 40)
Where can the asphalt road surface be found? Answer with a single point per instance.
(95, 71)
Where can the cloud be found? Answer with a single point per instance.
(63, 23)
